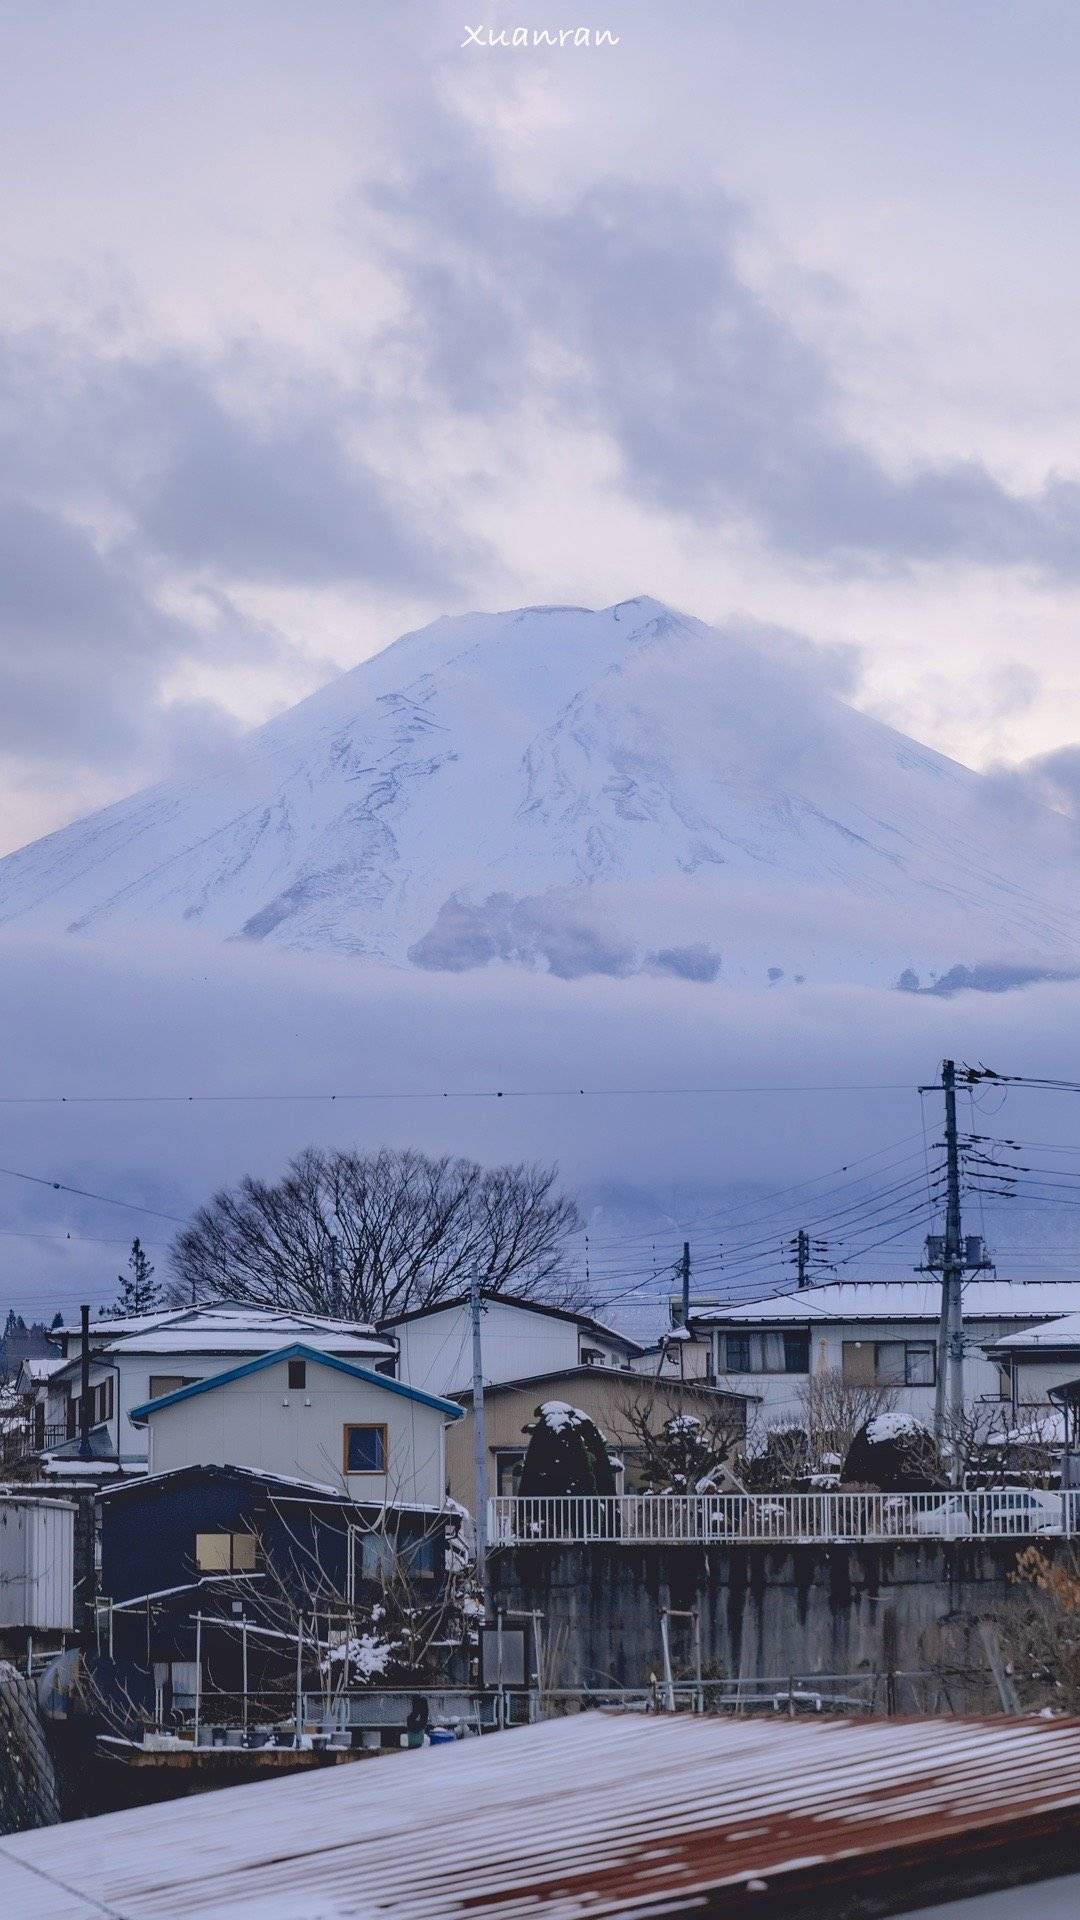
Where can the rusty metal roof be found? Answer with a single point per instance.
(602, 1814)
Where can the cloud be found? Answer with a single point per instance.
(625, 309)
(82, 647)
(1053, 779)
(177, 1015)
(138, 506)
(278, 500)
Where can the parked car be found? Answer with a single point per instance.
(998, 1510)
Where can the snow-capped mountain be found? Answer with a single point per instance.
(583, 792)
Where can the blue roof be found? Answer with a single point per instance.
(296, 1352)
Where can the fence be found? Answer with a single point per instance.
(673, 1519)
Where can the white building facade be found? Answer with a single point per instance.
(517, 1338)
(149, 1356)
(871, 1333)
(1037, 1360)
(307, 1416)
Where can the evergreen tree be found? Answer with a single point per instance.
(138, 1291)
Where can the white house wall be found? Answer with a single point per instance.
(260, 1422)
(131, 1375)
(436, 1351)
(781, 1392)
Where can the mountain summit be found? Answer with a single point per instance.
(582, 792)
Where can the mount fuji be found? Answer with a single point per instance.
(583, 792)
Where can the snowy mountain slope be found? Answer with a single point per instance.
(584, 792)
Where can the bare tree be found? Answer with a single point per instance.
(1040, 1628)
(817, 1434)
(363, 1236)
(833, 1410)
(679, 1451)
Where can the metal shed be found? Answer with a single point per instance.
(37, 1563)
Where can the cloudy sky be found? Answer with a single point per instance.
(315, 323)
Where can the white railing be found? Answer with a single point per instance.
(636, 1518)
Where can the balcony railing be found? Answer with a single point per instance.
(670, 1519)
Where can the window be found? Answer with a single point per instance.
(591, 1357)
(921, 1368)
(889, 1363)
(796, 1353)
(737, 1352)
(365, 1450)
(857, 1364)
(163, 1383)
(225, 1552)
(376, 1556)
(508, 1467)
(103, 1400)
(297, 1373)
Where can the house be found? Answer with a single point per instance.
(606, 1394)
(518, 1337)
(150, 1355)
(870, 1333)
(1035, 1360)
(209, 1568)
(311, 1415)
(32, 1392)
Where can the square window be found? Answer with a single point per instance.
(243, 1552)
(738, 1352)
(297, 1373)
(921, 1370)
(890, 1363)
(858, 1363)
(213, 1552)
(796, 1353)
(365, 1449)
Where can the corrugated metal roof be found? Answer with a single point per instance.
(899, 1300)
(604, 1814)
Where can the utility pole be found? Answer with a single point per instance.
(85, 1421)
(686, 1286)
(802, 1256)
(950, 1355)
(479, 1436)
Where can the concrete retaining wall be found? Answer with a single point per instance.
(765, 1611)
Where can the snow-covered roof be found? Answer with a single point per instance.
(292, 1481)
(597, 1815)
(232, 1332)
(843, 1300)
(1052, 1333)
(232, 1319)
(38, 1369)
(577, 1315)
(298, 1350)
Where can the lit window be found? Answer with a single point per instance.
(225, 1552)
(365, 1450)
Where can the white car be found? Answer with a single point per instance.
(992, 1511)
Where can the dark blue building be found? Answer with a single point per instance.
(225, 1570)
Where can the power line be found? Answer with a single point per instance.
(439, 1093)
(104, 1199)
